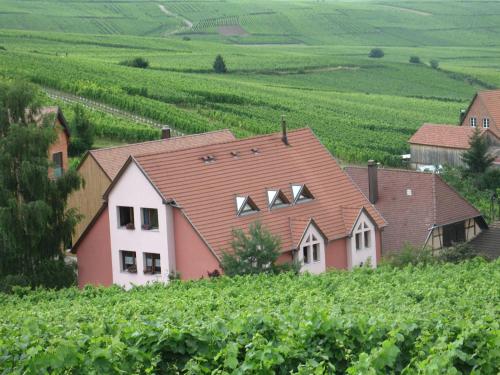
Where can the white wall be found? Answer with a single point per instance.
(357, 257)
(312, 267)
(134, 190)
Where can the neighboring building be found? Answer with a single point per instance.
(439, 144)
(174, 211)
(58, 151)
(487, 243)
(420, 208)
(99, 167)
(484, 112)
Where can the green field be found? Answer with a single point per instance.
(441, 319)
(305, 59)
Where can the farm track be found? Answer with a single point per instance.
(187, 23)
(100, 107)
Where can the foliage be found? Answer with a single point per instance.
(476, 158)
(434, 64)
(82, 132)
(414, 60)
(429, 320)
(376, 53)
(489, 180)
(410, 255)
(137, 62)
(34, 222)
(253, 253)
(219, 65)
(457, 253)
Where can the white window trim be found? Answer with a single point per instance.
(312, 266)
(486, 122)
(364, 254)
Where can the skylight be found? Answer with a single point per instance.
(245, 205)
(301, 193)
(276, 198)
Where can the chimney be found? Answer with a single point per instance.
(462, 115)
(372, 181)
(284, 138)
(165, 133)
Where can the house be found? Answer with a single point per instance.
(439, 144)
(99, 167)
(173, 211)
(58, 151)
(420, 208)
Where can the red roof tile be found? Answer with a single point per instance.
(207, 190)
(442, 135)
(113, 158)
(409, 217)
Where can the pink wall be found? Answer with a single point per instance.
(336, 254)
(192, 256)
(94, 254)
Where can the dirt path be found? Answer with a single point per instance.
(100, 107)
(407, 10)
(187, 23)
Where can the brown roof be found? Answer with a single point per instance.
(491, 100)
(441, 135)
(432, 203)
(113, 158)
(207, 190)
(487, 243)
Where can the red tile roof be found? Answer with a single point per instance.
(491, 100)
(441, 135)
(409, 217)
(206, 191)
(113, 158)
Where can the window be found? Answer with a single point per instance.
(126, 217)
(486, 122)
(362, 236)
(276, 198)
(311, 250)
(473, 122)
(453, 233)
(245, 205)
(129, 261)
(57, 159)
(152, 263)
(301, 193)
(149, 218)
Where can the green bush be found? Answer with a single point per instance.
(9, 282)
(219, 65)
(409, 255)
(376, 53)
(54, 274)
(434, 64)
(457, 253)
(138, 62)
(414, 59)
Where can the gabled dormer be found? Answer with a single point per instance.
(276, 198)
(245, 205)
(301, 193)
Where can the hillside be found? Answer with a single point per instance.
(434, 319)
(306, 59)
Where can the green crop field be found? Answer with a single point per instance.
(305, 59)
(441, 319)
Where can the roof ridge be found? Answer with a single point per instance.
(260, 136)
(161, 140)
(392, 170)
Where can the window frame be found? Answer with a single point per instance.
(131, 224)
(123, 266)
(473, 121)
(149, 226)
(309, 245)
(153, 268)
(486, 122)
(362, 236)
(58, 167)
(303, 189)
(247, 201)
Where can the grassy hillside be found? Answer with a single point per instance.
(428, 320)
(306, 59)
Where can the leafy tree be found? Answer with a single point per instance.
(219, 65)
(476, 158)
(82, 137)
(137, 62)
(434, 64)
(34, 221)
(414, 59)
(376, 53)
(254, 253)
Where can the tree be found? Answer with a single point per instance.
(434, 64)
(254, 253)
(476, 158)
(414, 59)
(376, 53)
(82, 137)
(219, 65)
(137, 62)
(34, 222)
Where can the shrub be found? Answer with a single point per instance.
(434, 64)
(376, 53)
(2, 48)
(186, 38)
(138, 62)
(9, 282)
(54, 274)
(219, 65)
(490, 180)
(409, 255)
(414, 59)
(457, 253)
(82, 132)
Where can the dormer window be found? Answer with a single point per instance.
(276, 198)
(486, 122)
(301, 193)
(473, 122)
(245, 205)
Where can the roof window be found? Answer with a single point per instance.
(208, 158)
(245, 205)
(301, 193)
(276, 198)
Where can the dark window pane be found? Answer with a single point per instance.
(149, 218)
(358, 241)
(367, 238)
(315, 252)
(57, 159)
(305, 252)
(129, 261)
(126, 216)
